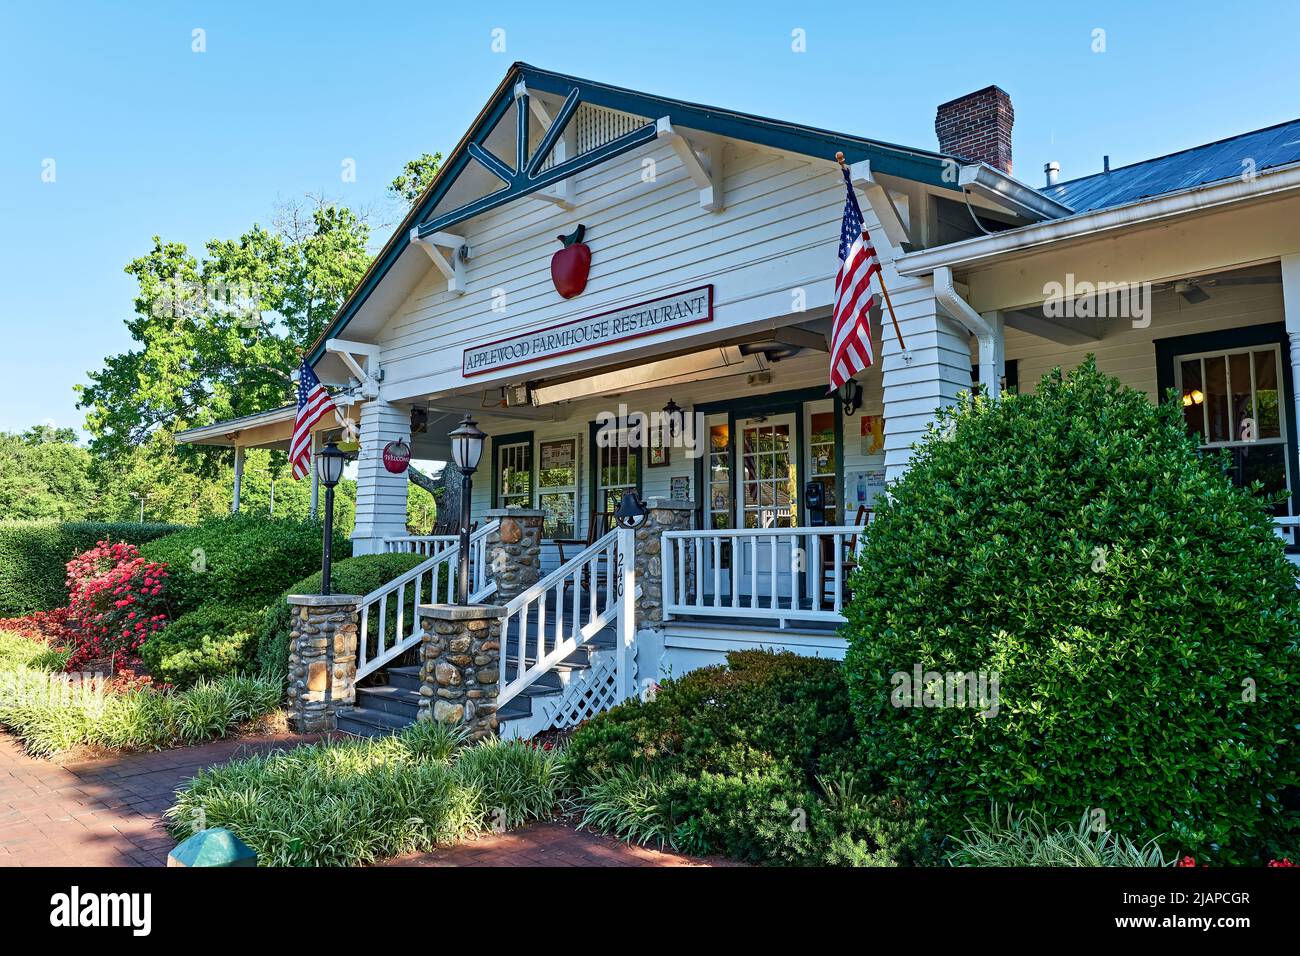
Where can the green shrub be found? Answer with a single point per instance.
(1029, 840)
(736, 760)
(51, 713)
(239, 560)
(359, 575)
(34, 557)
(1138, 610)
(211, 642)
(352, 802)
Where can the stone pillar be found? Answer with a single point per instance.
(381, 495)
(460, 665)
(514, 550)
(322, 660)
(662, 514)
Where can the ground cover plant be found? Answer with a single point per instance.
(350, 802)
(1137, 608)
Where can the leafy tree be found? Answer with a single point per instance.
(44, 473)
(415, 177)
(217, 338)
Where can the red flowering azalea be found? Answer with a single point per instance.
(111, 590)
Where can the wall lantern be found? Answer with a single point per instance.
(466, 450)
(631, 511)
(673, 415)
(851, 396)
(329, 469)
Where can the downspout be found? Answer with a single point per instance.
(986, 329)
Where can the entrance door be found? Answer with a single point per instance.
(767, 498)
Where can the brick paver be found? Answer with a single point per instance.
(108, 812)
(549, 844)
(105, 812)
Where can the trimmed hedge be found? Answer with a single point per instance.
(359, 575)
(211, 642)
(1138, 610)
(239, 560)
(755, 760)
(34, 557)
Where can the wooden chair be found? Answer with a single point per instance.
(598, 526)
(848, 560)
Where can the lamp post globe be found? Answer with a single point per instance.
(466, 450)
(329, 469)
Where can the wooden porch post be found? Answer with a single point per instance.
(1291, 310)
(239, 478)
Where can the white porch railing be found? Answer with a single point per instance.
(394, 631)
(429, 545)
(781, 574)
(566, 608)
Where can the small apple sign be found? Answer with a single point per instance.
(569, 266)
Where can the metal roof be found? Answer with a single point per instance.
(1213, 162)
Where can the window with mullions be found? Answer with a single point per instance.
(557, 486)
(1232, 400)
(515, 468)
(617, 471)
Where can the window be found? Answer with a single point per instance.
(618, 471)
(515, 475)
(768, 480)
(1233, 399)
(557, 486)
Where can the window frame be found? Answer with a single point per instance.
(575, 489)
(499, 444)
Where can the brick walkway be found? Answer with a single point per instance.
(104, 812)
(548, 844)
(109, 813)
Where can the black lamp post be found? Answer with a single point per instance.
(466, 450)
(329, 469)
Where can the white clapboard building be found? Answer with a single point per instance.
(712, 243)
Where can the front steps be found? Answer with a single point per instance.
(386, 709)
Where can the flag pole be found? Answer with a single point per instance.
(880, 275)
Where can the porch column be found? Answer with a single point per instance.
(381, 495)
(239, 478)
(934, 369)
(662, 514)
(1291, 310)
(514, 550)
(993, 361)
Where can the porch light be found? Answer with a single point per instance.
(466, 445)
(631, 511)
(673, 414)
(466, 450)
(329, 469)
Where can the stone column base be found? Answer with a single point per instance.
(460, 665)
(322, 660)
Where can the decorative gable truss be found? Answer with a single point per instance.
(546, 171)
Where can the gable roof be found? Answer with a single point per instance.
(1212, 162)
(527, 176)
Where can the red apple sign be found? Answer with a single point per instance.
(569, 266)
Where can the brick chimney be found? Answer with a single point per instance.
(977, 127)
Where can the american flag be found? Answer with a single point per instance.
(854, 297)
(314, 403)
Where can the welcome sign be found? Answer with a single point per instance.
(673, 311)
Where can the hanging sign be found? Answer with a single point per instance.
(668, 312)
(397, 456)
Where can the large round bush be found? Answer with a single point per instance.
(1137, 609)
(359, 575)
(240, 559)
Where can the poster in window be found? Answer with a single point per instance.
(873, 434)
(557, 454)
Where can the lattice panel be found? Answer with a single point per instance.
(595, 692)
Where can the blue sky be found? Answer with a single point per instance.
(149, 137)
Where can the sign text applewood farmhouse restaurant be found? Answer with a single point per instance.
(629, 322)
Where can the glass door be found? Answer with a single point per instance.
(768, 498)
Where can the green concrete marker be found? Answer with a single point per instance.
(215, 847)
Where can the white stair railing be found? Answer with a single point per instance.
(395, 632)
(560, 613)
(781, 574)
